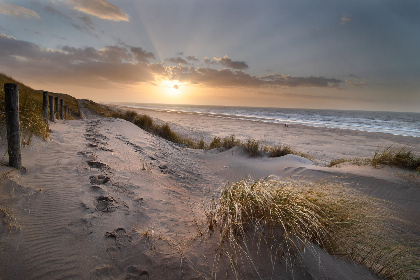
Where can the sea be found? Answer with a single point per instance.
(397, 123)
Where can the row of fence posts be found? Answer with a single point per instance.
(11, 96)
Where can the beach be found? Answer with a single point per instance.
(103, 199)
(324, 144)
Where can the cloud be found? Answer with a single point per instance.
(237, 78)
(142, 55)
(87, 21)
(33, 31)
(226, 61)
(17, 11)
(208, 61)
(345, 19)
(85, 66)
(177, 60)
(354, 82)
(52, 10)
(100, 9)
(129, 65)
(176, 87)
(192, 58)
(353, 76)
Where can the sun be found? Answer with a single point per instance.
(171, 87)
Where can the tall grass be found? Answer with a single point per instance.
(288, 216)
(392, 156)
(30, 110)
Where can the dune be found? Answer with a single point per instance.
(103, 199)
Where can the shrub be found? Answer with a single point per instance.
(252, 147)
(230, 142)
(280, 150)
(216, 143)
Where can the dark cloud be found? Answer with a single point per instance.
(353, 76)
(180, 53)
(208, 61)
(100, 9)
(237, 78)
(17, 11)
(142, 55)
(177, 60)
(192, 58)
(87, 21)
(129, 65)
(226, 61)
(52, 10)
(290, 81)
(87, 66)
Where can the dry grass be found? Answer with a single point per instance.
(287, 216)
(391, 156)
(30, 109)
(101, 110)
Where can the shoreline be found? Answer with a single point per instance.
(324, 144)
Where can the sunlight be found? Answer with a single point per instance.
(172, 88)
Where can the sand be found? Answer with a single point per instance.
(103, 199)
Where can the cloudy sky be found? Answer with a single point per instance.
(330, 54)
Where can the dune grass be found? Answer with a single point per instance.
(251, 146)
(287, 216)
(391, 156)
(30, 109)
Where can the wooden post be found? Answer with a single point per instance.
(61, 109)
(51, 99)
(45, 106)
(66, 110)
(11, 98)
(56, 106)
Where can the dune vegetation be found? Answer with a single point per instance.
(391, 156)
(282, 218)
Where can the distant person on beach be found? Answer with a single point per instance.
(286, 126)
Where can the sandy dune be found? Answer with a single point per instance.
(103, 199)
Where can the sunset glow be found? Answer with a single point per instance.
(269, 53)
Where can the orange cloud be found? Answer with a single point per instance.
(17, 11)
(100, 9)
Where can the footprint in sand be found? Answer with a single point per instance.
(122, 239)
(135, 273)
(97, 165)
(105, 204)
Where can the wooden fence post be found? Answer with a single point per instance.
(45, 105)
(61, 109)
(11, 96)
(66, 111)
(56, 106)
(51, 99)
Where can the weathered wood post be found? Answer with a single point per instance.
(61, 109)
(45, 105)
(56, 106)
(51, 100)
(11, 98)
(66, 111)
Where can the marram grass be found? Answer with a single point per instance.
(288, 216)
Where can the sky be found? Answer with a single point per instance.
(321, 54)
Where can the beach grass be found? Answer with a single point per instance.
(30, 110)
(287, 216)
(391, 156)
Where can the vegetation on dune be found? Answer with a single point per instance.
(392, 156)
(30, 109)
(100, 109)
(281, 218)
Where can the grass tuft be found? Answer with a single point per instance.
(252, 147)
(288, 216)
